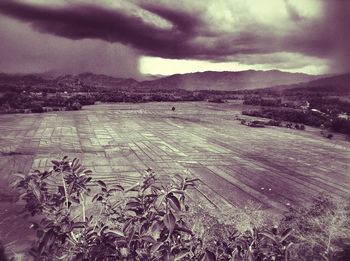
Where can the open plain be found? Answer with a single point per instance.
(236, 164)
(272, 166)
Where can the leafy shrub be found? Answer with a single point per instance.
(287, 114)
(36, 108)
(145, 222)
(330, 105)
(75, 106)
(321, 230)
(256, 100)
(340, 125)
(274, 123)
(151, 221)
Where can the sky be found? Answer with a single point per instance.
(133, 38)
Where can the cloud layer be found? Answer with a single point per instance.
(212, 30)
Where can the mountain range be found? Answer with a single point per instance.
(336, 83)
(222, 81)
(228, 81)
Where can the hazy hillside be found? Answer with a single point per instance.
(97, 80)
(21, 79)
(224, 81)
(337, 84)
(76, 81)
(227, 81)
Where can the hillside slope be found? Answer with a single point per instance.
(227, 81)
(223, 81)
(337, 84)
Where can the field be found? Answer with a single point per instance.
(274, 167)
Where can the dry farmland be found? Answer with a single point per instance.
(236, 164)
(273, 167)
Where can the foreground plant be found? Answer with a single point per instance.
(79, 218)
(321, 230)
(143, 222)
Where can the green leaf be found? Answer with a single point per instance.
(132, 205)
(286, 234)
(167, 256)
(159, 201)
(133, 188)
(192, 180)
(119, 187)
(127, 225)
(116, 232)
(76, 167)
(131, 234)
(268, 235)
(101, 183)
(75, 200)
(88, 171)
(22, 176)
(148, 239)
(156, 229)
(35, 189)
(169, 221)
(174, 202)
(207, 256)
(182, 254)
(95, 197)
(45, 175)
(56, 163)
(177, 191)
(73, 161)
(78, 225)
(183, 228)
(61, 190)
(155, 247)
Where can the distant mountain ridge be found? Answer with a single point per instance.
(336, 83)
(227, 81)
(98, 80)
(209, 80)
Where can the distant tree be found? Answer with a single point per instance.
(37, 108)
(9, 97)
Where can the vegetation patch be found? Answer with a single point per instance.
(155, 221)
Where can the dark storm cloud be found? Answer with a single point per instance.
(27, 51)
(189, 37)
(95, 22)
(191, 34)
(337, 24)
(325, 37)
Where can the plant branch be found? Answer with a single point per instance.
(65, 188)
(83, 205)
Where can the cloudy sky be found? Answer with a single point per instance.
(134, 37)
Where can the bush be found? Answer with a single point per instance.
(151, 221)
(143, 222)
(75, 106)
(274, 123)
(287, 114)
(36, 108)
(321, 230)
(340, 125)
